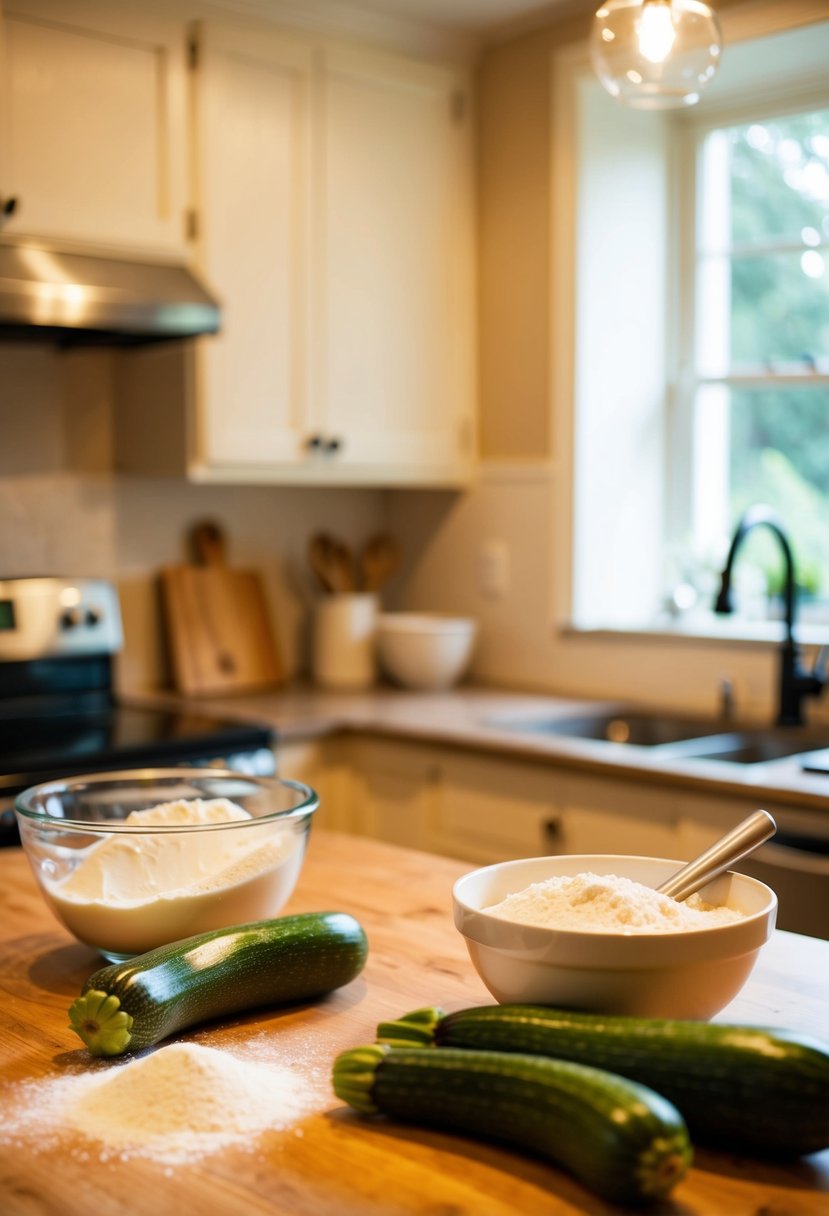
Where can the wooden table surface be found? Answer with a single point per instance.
(336, 1163)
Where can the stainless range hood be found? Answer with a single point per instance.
(72, 296)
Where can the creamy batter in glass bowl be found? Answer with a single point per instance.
(133, 860)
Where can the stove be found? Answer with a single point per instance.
(59, 713)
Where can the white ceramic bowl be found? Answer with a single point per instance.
(688, 974)
(425, 649)
(124, 885)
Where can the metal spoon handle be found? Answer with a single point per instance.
(741, 840)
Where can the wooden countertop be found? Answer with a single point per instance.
(478, 718)
(341, 1164)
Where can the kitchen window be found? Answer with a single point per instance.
(754, 407)
(691, 337)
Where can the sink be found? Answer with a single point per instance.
(639, 727)
(756, 745)
(680, 737)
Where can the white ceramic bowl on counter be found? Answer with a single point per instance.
(125, 873)
(425, 650)
(690, 973)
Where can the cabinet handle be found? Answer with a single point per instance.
(328, 447)
(9, 205)
(552, 831)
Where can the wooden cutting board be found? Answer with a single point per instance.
(218, 629)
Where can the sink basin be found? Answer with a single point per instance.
(639, 727)
(755, 746)
(680, 737)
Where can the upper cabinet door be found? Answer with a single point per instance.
(93, 132)
(253, 115)
(397, 289)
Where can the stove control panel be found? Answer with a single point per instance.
(53, 617)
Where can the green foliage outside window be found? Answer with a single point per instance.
(780, 323)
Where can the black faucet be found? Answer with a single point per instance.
(795, 682)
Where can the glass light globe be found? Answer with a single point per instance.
(655, 54)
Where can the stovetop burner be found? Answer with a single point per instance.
(122, 737)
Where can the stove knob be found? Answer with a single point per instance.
(71, 618)
(93, 615)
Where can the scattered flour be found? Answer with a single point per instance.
(179, 1104)
(598, 903)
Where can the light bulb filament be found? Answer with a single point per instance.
(656, 31)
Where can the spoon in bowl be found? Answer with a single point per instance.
(743, 839)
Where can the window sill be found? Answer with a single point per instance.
(706, 628)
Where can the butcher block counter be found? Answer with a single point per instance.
(334, 1162)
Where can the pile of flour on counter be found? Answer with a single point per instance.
(176, 1105)
(607, 903)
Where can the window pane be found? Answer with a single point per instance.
(780, 308)
(780, 179)
(779, 454)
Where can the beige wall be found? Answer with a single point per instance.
(515, 267)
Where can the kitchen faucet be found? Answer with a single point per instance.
(795, 682)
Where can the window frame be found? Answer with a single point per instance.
(690, 130)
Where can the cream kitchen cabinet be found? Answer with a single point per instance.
(485, 807)
(393, 791)
(443, 800)
(324, 765)
(396, 283)
(93, 126)
(334, 202)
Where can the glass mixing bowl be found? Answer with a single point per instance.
(133, 860)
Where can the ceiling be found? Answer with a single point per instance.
(464, 23)
(471, 16)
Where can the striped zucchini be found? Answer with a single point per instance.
(744, 1087)
(131, 1005)
(621, 1140)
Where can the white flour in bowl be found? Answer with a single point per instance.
(131, 892)
(602, 903)
(178, 1104)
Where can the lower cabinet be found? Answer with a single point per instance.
(481, 808)
(606, 815)
(323, 765)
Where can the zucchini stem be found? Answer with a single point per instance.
(415, 1029)
(354, 1074)
(97, 1017)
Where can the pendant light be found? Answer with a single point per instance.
(655, 54)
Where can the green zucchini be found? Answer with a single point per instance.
(749, 1088)
(620, 1139)
(131, 1005)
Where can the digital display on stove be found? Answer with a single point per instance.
(7, 620)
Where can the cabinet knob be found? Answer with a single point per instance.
(328, 446)
(8, 206)
(552, 831)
